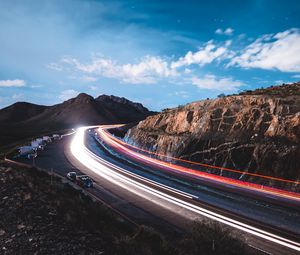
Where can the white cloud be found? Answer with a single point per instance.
(228, 31)
(89, 78)
(67, 94)
(17, 96)
(219, 31)
(279, 51)
(187, 71)
(93, 88)
(211, 82)
(148, 70)
(12, 83)
(181, 93)
(204, 55)
(36, 86)
(55, 66)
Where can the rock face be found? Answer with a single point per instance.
(250, 132)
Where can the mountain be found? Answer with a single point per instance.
(20, 111)
(255, 131)
(22, 120)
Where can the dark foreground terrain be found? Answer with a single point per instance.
(40, 217)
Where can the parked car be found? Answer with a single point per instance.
(28, 155)
(37, 145)
(72, 176)
(84, 181)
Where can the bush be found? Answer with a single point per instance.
(212, 239)
(146, 241)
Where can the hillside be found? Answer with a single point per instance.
(22, 120)
(20, 111)
(45, 218)
(255, 131)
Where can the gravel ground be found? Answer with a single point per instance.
(37, 218)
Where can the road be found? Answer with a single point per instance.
(151, 197)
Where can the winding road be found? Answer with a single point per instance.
(148, 190)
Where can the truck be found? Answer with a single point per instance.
(27, 152)
(40, 141)
(38, 145)
(46, 139)
(55, 136)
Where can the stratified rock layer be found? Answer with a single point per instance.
(250, 132)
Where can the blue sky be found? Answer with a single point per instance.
(159, 53)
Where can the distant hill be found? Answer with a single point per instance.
(22, 120)
(20, 111)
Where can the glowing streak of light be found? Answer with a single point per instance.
(100, 167)
(117, 144)
(103, 128)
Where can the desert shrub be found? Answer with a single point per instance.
(146, 241)
(210, 238)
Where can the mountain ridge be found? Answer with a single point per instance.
(22, 120)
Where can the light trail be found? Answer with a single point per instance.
(136, 184)
(197, 163)
(119, 146)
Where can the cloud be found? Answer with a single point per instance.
(181, 93)
(17, 96)
(93, 88)
(279, 51)
(204, 55)
(147, 71)
(55, 66)
(211, 82)
(36, 86)
(67, 94)
(12, 83)
(88, 78)
(228, 31)
(271, 51)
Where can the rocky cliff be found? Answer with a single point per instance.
(258, 132)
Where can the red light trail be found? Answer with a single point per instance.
(129, 150)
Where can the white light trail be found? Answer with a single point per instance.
(110, 172)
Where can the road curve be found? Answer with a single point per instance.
(170, 197)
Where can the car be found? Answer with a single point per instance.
(29, 155)
(72, 176)
(84, 181)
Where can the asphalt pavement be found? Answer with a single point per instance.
(57, 157)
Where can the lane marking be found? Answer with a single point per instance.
(91, 160)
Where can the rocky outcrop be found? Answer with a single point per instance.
(254, 133)
(114, 100)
